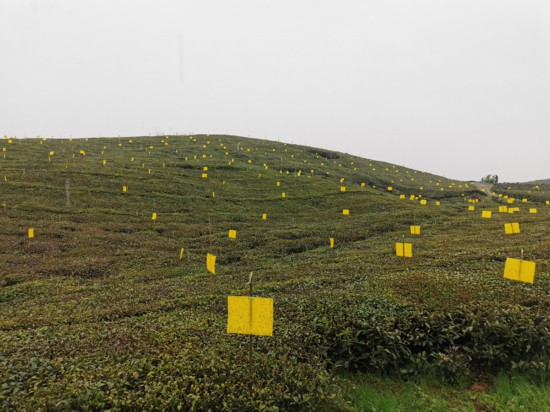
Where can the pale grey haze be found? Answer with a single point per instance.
(459, 88)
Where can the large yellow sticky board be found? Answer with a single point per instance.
(503, 209)
(345, 212)
(331, 240)
(342, 189)
(471, 208)
(520, 270)
(415, 230)
(403, 249)
(390, 188)
(486, 214)
(264, 216)
(423, 202)
(533, 210)
(154, 216)
(31, 233)
(232, 234)
(181, 253)
(211, 263)
(511, 228)
(250, 315)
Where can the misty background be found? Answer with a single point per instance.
(457, 88)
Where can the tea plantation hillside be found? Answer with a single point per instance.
(524, 192)
(101, 309)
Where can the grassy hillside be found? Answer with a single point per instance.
(533, 192)
(541, 181)
(98, 310)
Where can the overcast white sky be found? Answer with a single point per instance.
(459, 88)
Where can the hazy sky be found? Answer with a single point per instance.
(459, 88)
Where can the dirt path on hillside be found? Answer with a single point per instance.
(488, 187)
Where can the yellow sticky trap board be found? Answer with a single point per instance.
(104, 162)
(205, 169)
(438, 203)
(402, 196)
(486, 214)
(390, 188)
(345, 212)
(52, 153)
(283, 195)
(415, 230)
(82, 152)
(520, 270)
(523, 200)
(362, 184)
(124, 189)
(503, 209)
(342, 189)
(423, 202)
(403, 249)
(181, 253)
(248, 315)
(548, 202)
(331, 240)
(232, 234)
(31, 233)
(533, 210)
(278, 184)
(211, 263)
(204, 175)
(264, 216)
(154, 216)
(511, 228)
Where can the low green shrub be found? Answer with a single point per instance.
(378, 335)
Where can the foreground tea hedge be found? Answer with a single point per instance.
(291, 371)
(376, 335)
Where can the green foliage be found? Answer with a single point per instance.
(375, 335)
(99, 312)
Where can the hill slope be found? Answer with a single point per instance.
(100, 312)
(540, 182)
